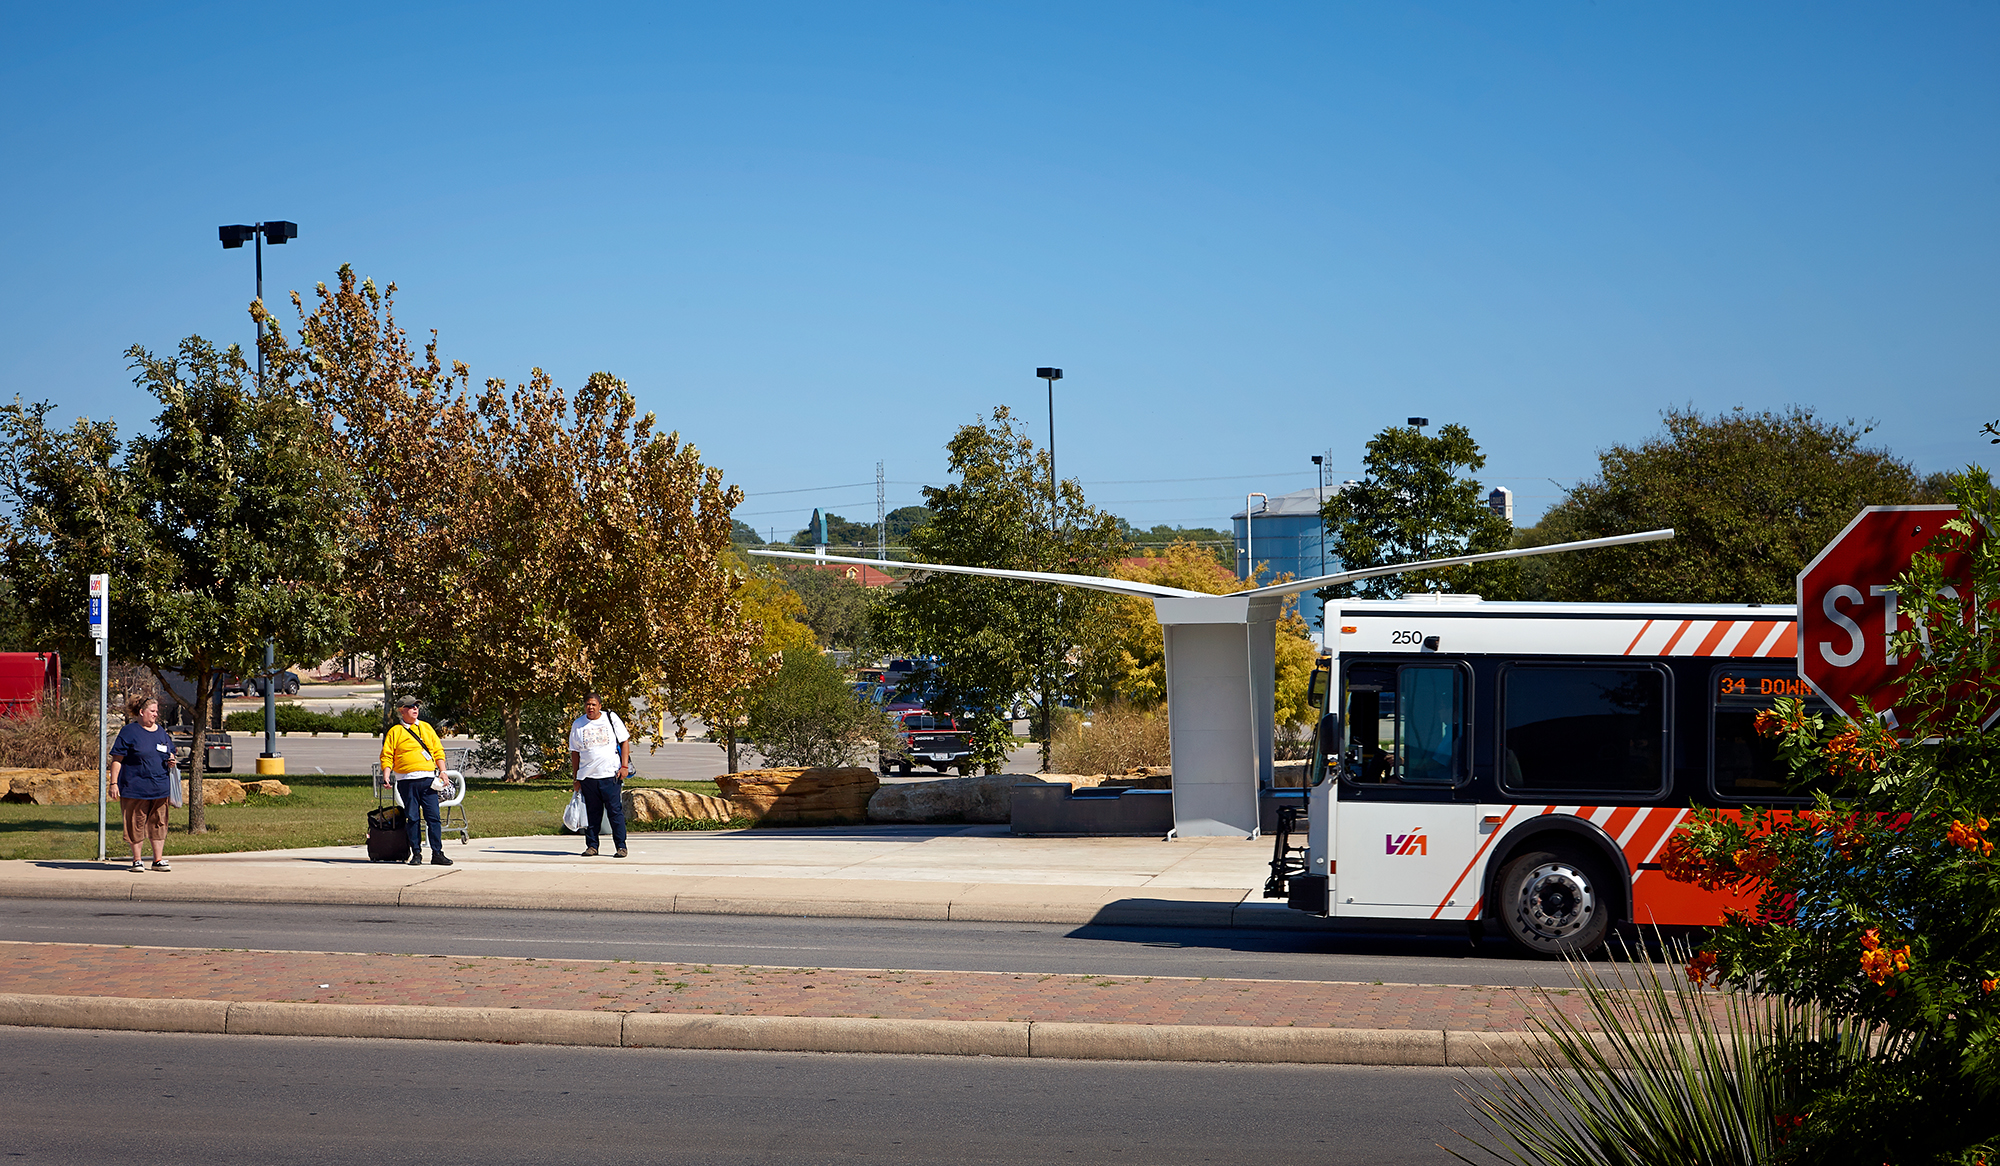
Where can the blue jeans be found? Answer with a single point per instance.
(417, 792)
(602, 795)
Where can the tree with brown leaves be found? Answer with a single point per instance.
(523, 542)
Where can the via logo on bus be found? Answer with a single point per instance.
(1415, 842)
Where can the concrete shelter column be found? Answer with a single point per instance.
(1221, 657)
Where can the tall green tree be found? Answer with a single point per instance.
(219, 527)
(1414, 502)
(1752, 497)
(997, 638)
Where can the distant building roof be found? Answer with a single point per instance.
(866, 576)
(1298, 503)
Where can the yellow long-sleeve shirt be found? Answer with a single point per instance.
(401, 752)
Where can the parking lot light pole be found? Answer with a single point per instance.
(1051, 375)
(1319, 495)
(274, 233)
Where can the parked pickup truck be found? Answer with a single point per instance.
(931, 739)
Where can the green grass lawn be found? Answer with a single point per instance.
(323, 810)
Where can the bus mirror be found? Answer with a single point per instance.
(1316, 688)
(1327, 747)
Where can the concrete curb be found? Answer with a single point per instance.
(1139, 910)
(1059, 1040)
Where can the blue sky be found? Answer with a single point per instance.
(817, 236)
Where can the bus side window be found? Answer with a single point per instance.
(1584, 727)
(1744, 765)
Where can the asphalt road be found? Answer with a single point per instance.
(85, 1098)
(839, 943)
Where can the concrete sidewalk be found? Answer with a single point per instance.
(979, 873)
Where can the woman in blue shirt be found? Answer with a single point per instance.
(142, 758)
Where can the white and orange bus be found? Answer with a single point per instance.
(1522, 765)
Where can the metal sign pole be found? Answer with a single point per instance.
(100, 632)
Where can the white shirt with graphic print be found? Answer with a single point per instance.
(595, 744)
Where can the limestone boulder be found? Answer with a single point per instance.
(14, 776)
(52, 787)
(953, 799)
(660, 805)
(801, 796)
(270, 787)
(222, 791)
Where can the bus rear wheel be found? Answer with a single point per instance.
(1555, 903)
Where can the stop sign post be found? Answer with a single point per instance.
(1848, 608)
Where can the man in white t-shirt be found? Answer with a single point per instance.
(599, 758)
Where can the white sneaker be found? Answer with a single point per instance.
(162, 865)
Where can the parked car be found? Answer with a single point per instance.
(927, 738)
(285, 684)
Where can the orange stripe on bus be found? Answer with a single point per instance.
(1676, 638)
(1475, 862)
(1714, 637)
(1637, 638)
(1617, 821)
(1650, 832)
(1785, 643)
(1754, 638)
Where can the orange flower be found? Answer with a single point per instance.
(1701, 968)
(1881, 964)
(1752, 861)
(1871, 939)
(1987, 986)
(1968, 835)
(1845, 755)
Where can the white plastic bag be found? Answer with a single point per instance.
(575, 816)
(176, 795)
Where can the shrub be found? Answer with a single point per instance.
(1677, 1075)
(807, 714)
(1113, 739)
(1881, 905)
(64, 737)
(293, 719)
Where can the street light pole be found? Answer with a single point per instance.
(1319, 496)
(1051, 375)
(276, 232)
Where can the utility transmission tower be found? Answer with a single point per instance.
(881, 518)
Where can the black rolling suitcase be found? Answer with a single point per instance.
(388, 835)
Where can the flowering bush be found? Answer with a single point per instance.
(1881, 903)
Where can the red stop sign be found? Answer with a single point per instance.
(1847, 611)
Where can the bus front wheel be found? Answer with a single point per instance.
(1555, 903)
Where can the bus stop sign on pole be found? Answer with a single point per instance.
(1848, 608)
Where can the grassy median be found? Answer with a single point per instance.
(322, 810)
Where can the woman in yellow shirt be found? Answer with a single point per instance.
(413, 758)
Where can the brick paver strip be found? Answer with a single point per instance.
(626, 986)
